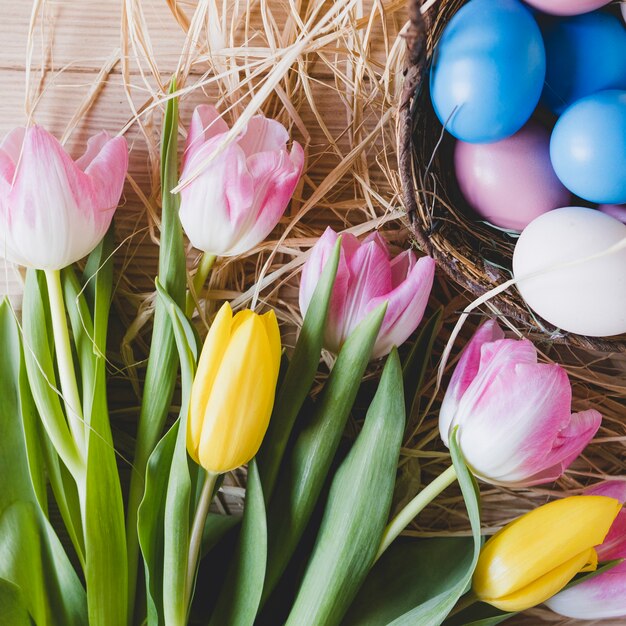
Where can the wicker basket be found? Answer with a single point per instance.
(475, 255)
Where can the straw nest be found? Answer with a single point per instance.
(333, 73)
(472, 253)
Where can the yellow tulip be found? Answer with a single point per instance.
(536, 555)
(233, 392)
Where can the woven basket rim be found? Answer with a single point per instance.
(465, 266)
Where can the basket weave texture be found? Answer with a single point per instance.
(473, 254)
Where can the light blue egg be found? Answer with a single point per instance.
(584, 54)
(488, 70)
(588, 147)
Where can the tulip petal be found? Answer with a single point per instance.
(370, 277)
(216, 204)
(601, 597)
(10, 152)
(55, 213)
(464, 373)
(273, 336)
(239, 406)
(95, 143)
(314, 266)
(209, 363)
(542, 541)
(407, 303)
(12, 143)
(263, 135)
(206, 123)
(539, 397)
(610, 488)
(401, 267)
(274, 178)
(107, 171)
(544, 587)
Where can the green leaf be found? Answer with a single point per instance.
(357, 509)
(41, 372)
(409, 573)
(434, 611)
(217, 527)
(416, 363)
(298, 378)
(31, 556)
(151, 520)
(162, 369)
(304, 471)
(241, 594)
(176, 526)
(106, 571)
(12, 607)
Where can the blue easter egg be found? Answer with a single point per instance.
(584, 54)
(588, 147)
(488, 70)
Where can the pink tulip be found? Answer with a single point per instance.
(240, 196)
(53, 210)
(514, 414)
(367, 277)
(603, 596)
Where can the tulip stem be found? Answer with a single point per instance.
(65, 361)
(198, 282)
(197, 531)
(414, 507)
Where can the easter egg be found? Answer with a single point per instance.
(510, 182)
(488, 70)
(567, 7)
(618, 211)
(588, 147)
(560, 283)
(584, 54)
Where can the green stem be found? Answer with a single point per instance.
(197, 530)
(65, 361)
(198, 282)
(414, 507)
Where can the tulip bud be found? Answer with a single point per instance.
(53, 210)
(514, 414)
(240, 196)
(604, 595)
(536, 555)
(367, 277)
(232, 395)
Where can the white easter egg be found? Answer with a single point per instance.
(587, 297)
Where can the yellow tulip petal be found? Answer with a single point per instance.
(213, 350)
(541, 541)
(241, 317)
(545, 586)
(241, 400)
(273, 335)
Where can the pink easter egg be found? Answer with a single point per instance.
(618, 211)
(567, 7)
(510, 182)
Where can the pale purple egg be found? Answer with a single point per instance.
(567, 7)
(510, 182)
(618, 211)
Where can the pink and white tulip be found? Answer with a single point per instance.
(604, 595)
(240, 196)
(514, 414)
(53, 210)
(366, 277)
